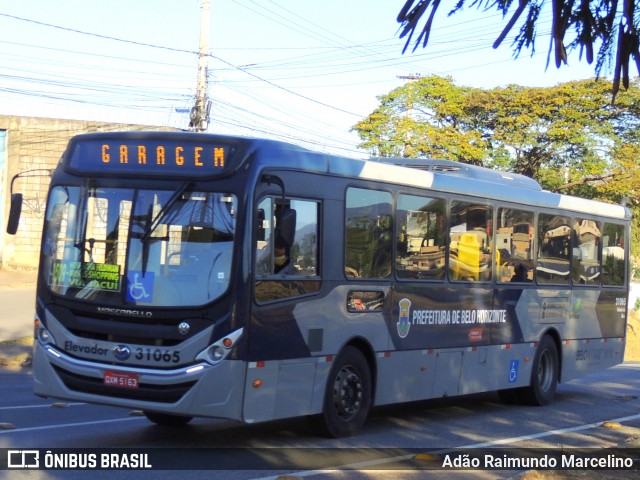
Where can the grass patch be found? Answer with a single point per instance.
(24, 341)
(16, 354)
(632, 351)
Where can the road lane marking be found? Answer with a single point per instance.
(67, 425)
(400, 458)
(549, 433)
(47, 405)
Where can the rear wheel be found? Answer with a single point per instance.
(347, 398)
(544, 377)
(167, 419)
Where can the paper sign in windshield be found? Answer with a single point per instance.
(98, 276)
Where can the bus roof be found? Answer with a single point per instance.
(464, 170)
(439, 175)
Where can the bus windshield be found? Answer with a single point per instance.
(136, 247)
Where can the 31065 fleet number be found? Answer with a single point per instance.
(157, 355)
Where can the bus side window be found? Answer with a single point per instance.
(613, 252)
(514, 249)
(586, 251)
(420, 238)
(553, 240)
(470, 239)
(286, 254)
(304, 249)
(368, 234)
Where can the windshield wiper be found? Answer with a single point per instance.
(151, 226)
(81, 216)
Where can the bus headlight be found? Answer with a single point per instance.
(44, 337)
(213, 354)
(220, 349)
(42, 334)
(216, 353)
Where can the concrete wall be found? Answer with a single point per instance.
(36, 143)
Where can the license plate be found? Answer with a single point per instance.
(122, 380)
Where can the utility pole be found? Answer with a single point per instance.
(410, 78)
(406, 151)
(199, 116)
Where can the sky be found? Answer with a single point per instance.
(301, 71)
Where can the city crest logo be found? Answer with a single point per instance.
(403, 317)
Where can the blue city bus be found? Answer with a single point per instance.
(195, 275)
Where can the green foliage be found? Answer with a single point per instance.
(422, 119)
(611, 26)
(635, 245)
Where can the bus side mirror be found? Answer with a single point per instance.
(14, 213)
(286, 227)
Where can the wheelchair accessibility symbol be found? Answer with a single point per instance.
(513, 371)
(139, 286)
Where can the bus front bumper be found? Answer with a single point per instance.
(200, 389)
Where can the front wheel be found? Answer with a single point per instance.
(347, 398)
(544, 377)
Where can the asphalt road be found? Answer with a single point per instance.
(386, 448)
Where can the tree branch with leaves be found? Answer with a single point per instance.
(593, 23)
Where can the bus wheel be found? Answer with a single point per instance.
(167, 419)
(347, 397)
(544, 377)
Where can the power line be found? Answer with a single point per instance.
(133, 42)
(338, 56)
(97, 35)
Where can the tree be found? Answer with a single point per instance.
(427, 118)
(568, 137)
(610, 24)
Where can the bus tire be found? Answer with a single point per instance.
(347, 398)
(544, 375)
(167, 419)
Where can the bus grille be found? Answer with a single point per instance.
(148, 392)
(159, 332)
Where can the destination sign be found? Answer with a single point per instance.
(155, 156)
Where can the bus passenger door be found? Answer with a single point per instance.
(281, 368)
